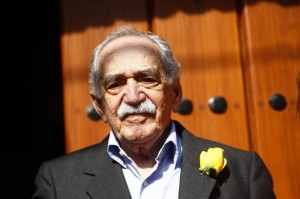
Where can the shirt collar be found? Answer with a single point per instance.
(116, 152)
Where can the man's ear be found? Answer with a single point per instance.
(98, 105)
(178, 95)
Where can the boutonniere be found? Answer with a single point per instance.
(212, 162)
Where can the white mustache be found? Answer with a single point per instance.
(146, 106)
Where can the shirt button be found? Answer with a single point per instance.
(145, 183)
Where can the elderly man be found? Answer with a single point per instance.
(135, 87)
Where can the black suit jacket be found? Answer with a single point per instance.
(91, 173)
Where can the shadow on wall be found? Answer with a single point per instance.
(115, 10)
(34, 109)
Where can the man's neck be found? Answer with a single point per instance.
(144, 156)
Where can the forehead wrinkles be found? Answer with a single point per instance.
(150, 54)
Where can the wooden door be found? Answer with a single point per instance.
(244, 52)
(84, 24)
(271, 35)
(205, 39)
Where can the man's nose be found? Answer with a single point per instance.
(133, 94)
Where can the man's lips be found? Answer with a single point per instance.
(136, 116)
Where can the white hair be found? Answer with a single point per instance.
(171, 66)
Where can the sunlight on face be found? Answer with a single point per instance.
(133, 74)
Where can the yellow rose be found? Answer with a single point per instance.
(212, 162)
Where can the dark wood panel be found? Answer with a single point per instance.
(272, 45)
(205, 39)
(84, 24)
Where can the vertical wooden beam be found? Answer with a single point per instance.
(205, 38)
(271, 34)
(84, 24)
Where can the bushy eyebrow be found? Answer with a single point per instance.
(111, 78)
(148, 72)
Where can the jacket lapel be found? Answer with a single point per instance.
(108, 180)
(107, 177)
(192, 183)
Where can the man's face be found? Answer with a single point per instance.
(132, 73)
